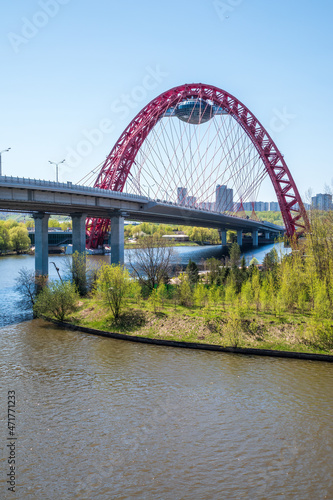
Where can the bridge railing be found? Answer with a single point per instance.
(26, 181)
(69, 186)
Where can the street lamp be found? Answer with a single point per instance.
(57, 168)
(3, 151)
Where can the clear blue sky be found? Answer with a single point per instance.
(66, 65)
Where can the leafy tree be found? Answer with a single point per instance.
(19, 238)
(192, 272)
(235, 254)
(270, 260)
(76, 268)
(5, 243)
(185, 291)
(200, 295)
(230, 291)
(54, 223)
(162, 294)
(113, 286)
(58, 299)
(247, 294)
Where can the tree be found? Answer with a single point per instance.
(161, 294)
(193, 272)
(19, 238)
(54, 223)
(58, 299)
(200, 295)
(185, 291)
(26, 287)
(270, 260)
(150, 262)
(5, 243)
(235, 254)
(77, 272)
(113, 286)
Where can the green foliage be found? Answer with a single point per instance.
(54, 223)
(161, 294)
(185, 291)
(57, 299)
(19, 238)
(192, 272)
(200, 295)
(78, 273)
(234, 254)
(5, 243)
(113, 286)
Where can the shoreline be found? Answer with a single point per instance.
(194, 345)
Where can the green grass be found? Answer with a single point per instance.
(262, 330)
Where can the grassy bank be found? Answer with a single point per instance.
(220, 326)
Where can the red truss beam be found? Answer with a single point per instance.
(116, 168)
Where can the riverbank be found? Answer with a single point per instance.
(212, 326)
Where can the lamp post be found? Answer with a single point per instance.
(57, 168)
(3, 151)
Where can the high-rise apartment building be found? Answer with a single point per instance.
(224, 198)
(322, 201)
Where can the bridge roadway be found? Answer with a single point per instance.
(42, 198)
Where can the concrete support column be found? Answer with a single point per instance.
(224, 237)
(41, 243)
(117, 239)
(240, 237)
(79, 232)
(267, 235)
(255, 237)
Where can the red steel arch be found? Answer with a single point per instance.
(114, 173)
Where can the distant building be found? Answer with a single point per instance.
(190, 201)
(207, 205)
(274, 206)
(322, 201)
(224, 198)
(181, 195)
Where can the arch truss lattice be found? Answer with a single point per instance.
(198, 146)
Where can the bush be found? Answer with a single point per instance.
(57, 299)
(113, 285)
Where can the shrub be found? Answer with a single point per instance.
(57, 299)
(113, 286)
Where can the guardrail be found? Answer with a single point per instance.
(25, 181)
(69, 186)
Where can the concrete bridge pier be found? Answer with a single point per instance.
(224, 237)
(267, 235)
(240, 237)
(41, 243)
(117, 238)
(255, 238)
(79, 232)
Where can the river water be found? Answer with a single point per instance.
(99, 418)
